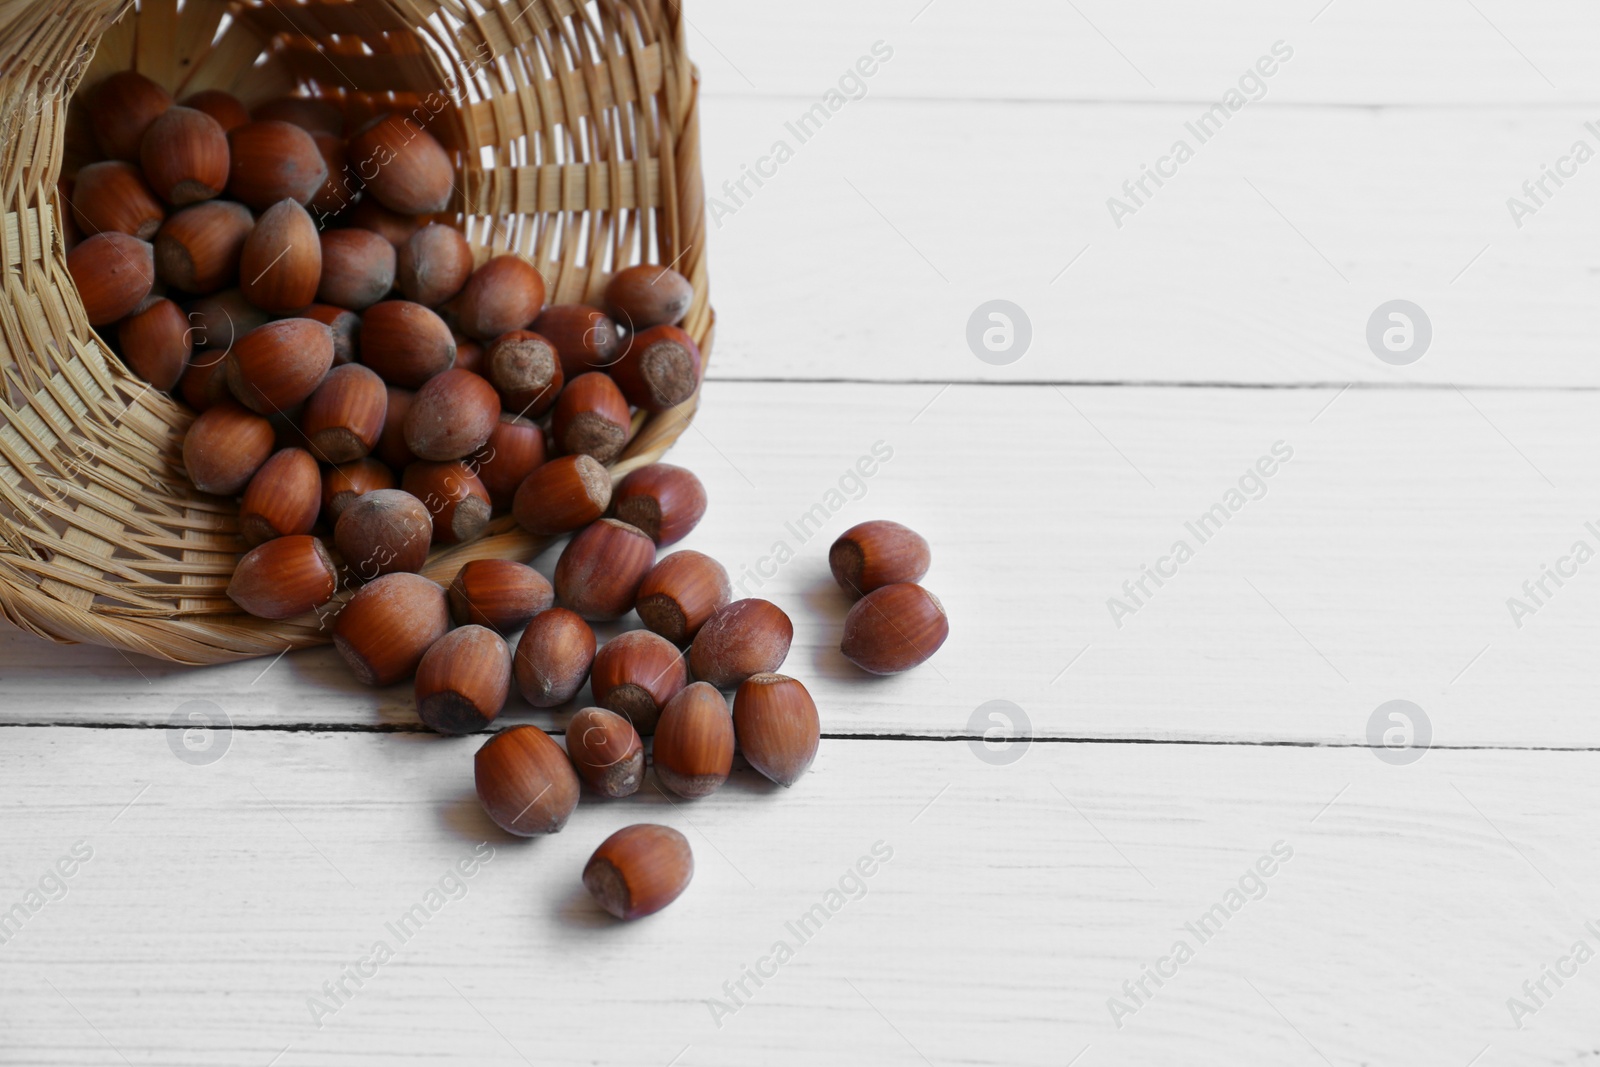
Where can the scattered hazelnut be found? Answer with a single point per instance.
(451, 416)
(524, 368)
(345, 326)
(114, 273)
(281, 261)
(635, 674)
(873, 554)
(600, 570)
(405, 343)
(284, 577)
(462, 681)
(501, 594)
(308, 113)
(435, 262)
(693, 748)
(894, 628)
(515, 449)
(272, 161)
(776, 723)
(606, 751)
(388, 624)
(384, 531)
(224, 107)
(341, 485)
(747, 637)
(565, 494)
(155, 342)
(357, 269)
(455, 496)
(664, 501)
(198, 249)
(526, 784)
(283, 497)
(592, 418)
(224, 448)
(184, 153)
(639, 870)
(120, 109)
(274, 367)
(660, 370)
(585, 338)
(404, 167)
(113, 197)
(504, 294)
(553, 657)
(680, 593)
(344, 415)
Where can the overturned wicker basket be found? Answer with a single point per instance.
(590, 114)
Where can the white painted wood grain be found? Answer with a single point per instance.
(1017, 901)
(1377, 566)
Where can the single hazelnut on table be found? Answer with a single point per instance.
(282, 498)
(504, 294)
(680, 593)
(120, 109)
(225, 446)
(523, 366)
(198, 249)
(525, 782)
(635, 674)
(184, 153)
(284, 577)
(453, 494)
(451, 416)
(747, 637)
(344, 415)
(274, 367)
(384, 531)
(591, 418)
(777, 726)
(639, 870)
(693, 748)
(649, 295)
(113, 197)
(435, 262)
(222, 106)
(114, 273)
(388, 624)
(345, 326)
(271, 161)
(501, 594)
(664, 501)
(874, 554)
(154, 341)
(565, 494)
(357, 269)
(606, 751)
(405, 343)
(404, 167)
(894, 628)
(553, 657)
(341, 485)
(514, 450)
(601, 569)
(463, 680)
(660, 370)
(281, 261)
(584, 337)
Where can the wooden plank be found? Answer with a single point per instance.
(867, 253)
(1013, 905)
(1378, 565)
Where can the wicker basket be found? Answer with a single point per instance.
(589, 114)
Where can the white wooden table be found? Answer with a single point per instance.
(1221, 731)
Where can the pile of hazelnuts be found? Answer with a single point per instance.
(359, 380)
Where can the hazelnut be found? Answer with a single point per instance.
(524, 368)
(112, 197)
(747, 637)
(284, 577)
(525, 782)
(392, 441)
(387, 626)
(680, 593)
(451, 416)
(308, 113)
(224, 448)
(504, 294)
(660, 370)
(282, 498)
(664, 501)
(515, 449)
(600, 570)
(776, 723)
(357, 269)
(198, 249)
(469, 354)
(155, 342)
(592, 418)
(205, 382)
(120, 109)
(341, 485)
(344, 415)
(553, 657)
(635, 674)
(565, 494)
(272, 161)
(224, 107)
(281, 262)
(346, 328)
(184, 153)
(606, 751)
(585, 337)
(405, 343)
(453, 494)
(693, 748)
(873, 554)
(501, 594)
(220, 319)
(404, 167)
(114, 273)
(649, 295)
(894, 628)
(462, 681)
(639, 870)
(276, 366)
(382, 532)
(339, 190)
(435, 262)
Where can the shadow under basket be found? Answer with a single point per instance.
(575, 134)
